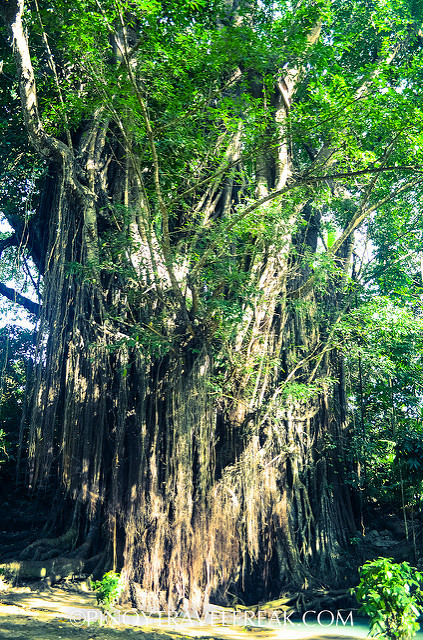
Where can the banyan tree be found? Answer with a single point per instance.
(187, 179)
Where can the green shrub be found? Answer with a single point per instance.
(108, 590)
(390, 595)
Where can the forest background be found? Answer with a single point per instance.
(214, 221)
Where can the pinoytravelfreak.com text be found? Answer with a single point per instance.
(277, 618)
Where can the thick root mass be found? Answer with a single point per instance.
(50, 571)
(46, 548)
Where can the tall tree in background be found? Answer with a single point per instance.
(201, 169)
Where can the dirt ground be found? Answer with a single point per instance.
(58, 614)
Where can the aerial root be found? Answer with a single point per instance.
(47, 548)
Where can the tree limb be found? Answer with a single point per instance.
(166, 247)
(47, 146)
(356, 221)
(14, 296)
(301, 182)
(52, 66)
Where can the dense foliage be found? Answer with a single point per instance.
(391, 596)
(16, 352)
(384, 341)
(108, 590)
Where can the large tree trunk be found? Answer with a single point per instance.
(203, 461)
(195, 491)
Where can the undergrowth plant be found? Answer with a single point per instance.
(108, 590)
(390, 595)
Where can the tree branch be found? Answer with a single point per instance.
(49, 147)
(359, 217)
(52, 66)
(14, 296)
(11, 294)
(166, 246)
(302, 182)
